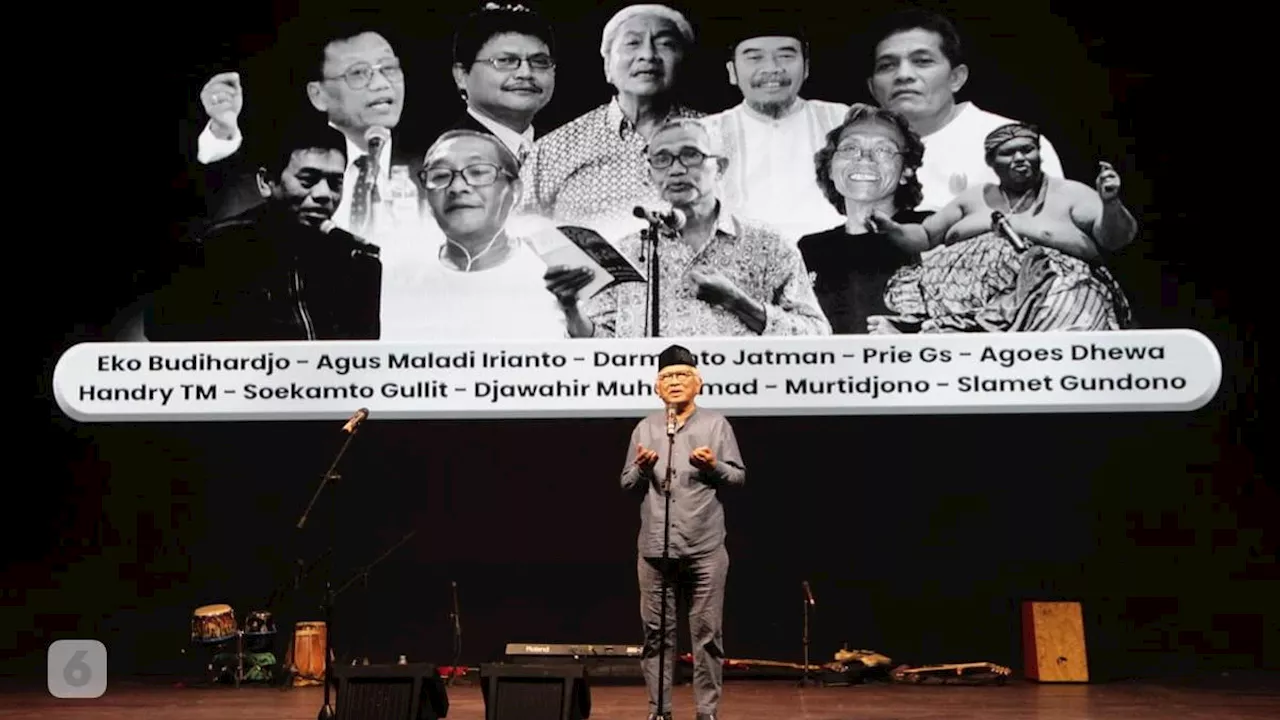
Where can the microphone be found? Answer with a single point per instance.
(342, 241)
(808, 596)
(376, 136)
(673, 219)
(671, 420)
(355, 420)
(1002, 226)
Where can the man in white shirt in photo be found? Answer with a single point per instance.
(918, 70)
(356, 80)
(771, 137)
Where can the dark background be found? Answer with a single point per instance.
(919, 535)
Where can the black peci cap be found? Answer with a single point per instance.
(676, 355)
(778, 23)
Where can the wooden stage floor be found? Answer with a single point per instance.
(743, 700)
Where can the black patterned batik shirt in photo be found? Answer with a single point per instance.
(984, 284)
(752, 255)
(590, 168)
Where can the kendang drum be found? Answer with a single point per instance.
(211, 624)
(259, 630)
(307, 654)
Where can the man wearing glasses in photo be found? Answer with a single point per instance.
(356, 80)
(719, 275)
(504, 66)
(482, 281)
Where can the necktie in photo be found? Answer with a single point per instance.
(360, 198)
(525, 151)
(366, 192)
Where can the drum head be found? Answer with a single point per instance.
(259, 622)
(212, 609)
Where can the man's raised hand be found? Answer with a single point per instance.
(223, 99)
(1108, 181)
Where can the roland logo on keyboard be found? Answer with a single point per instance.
(567, 650)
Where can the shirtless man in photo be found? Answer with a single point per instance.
(974, 276)
(1065, 215)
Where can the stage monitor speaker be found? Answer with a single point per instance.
(530, 691)
(390, 692)
(1053, 647)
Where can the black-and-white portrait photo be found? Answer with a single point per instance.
(495, 359)
(523, 171)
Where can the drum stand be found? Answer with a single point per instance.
(219, 669)
(239, 657)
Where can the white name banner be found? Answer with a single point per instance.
(1134, 371)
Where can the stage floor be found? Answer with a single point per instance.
(743, 700)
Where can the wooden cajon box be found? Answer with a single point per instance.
(1053, 647)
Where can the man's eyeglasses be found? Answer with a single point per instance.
(880, 153)
(511, 63)
(688, 157)
(478, 175)
(678, 375)
(360, 75)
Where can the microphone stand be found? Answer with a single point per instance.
(457, 634)
(363, 573)
(649, 241)
(805, 681)
(666, 559)
(330, 477)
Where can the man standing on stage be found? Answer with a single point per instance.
(702, 445)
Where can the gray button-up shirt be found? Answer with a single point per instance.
(697, 517)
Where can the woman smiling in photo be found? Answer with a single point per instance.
(868, 164)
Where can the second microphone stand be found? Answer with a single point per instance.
(666, 560)
(456, 616)
(805, 680)
(330, 477)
